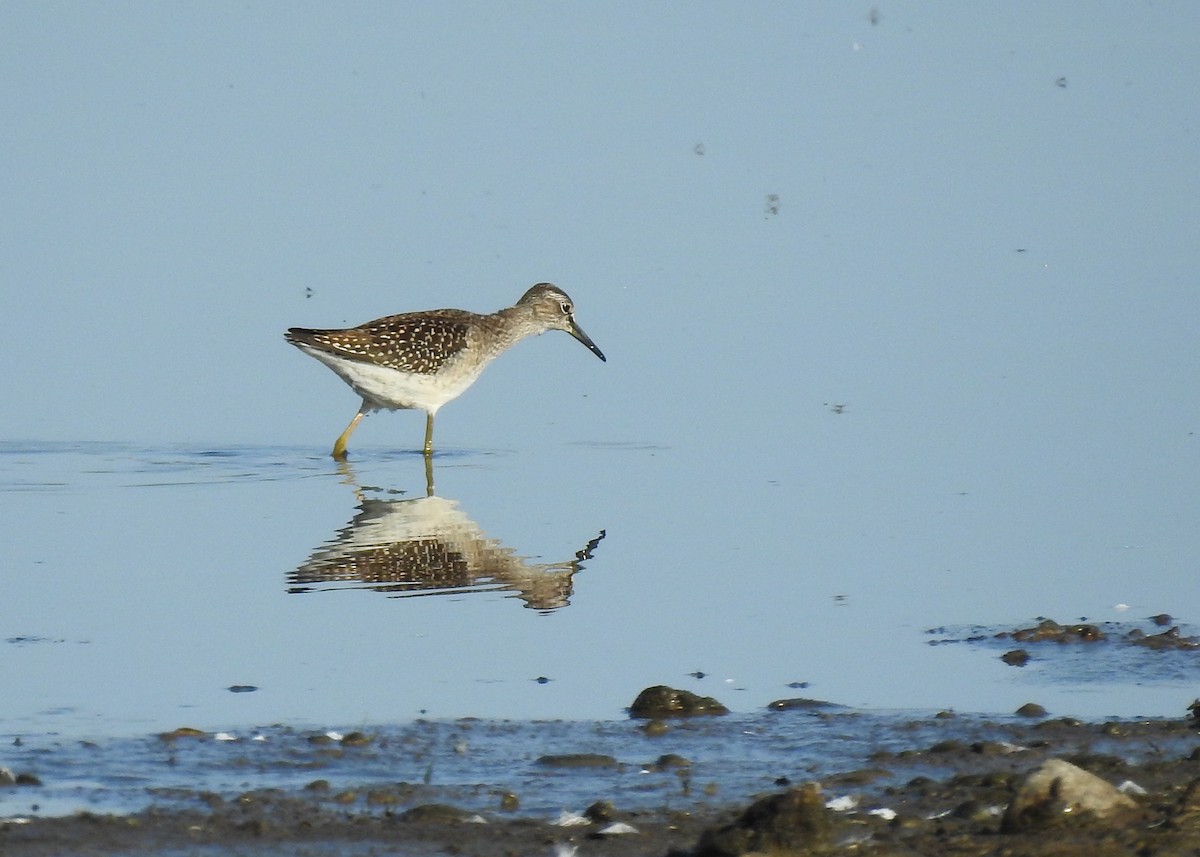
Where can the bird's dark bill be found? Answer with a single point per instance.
(578, 333)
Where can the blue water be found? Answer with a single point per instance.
(472, 764)
(144, 582)
(899, 311)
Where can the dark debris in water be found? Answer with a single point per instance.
(1169, 639)
(31, 639)
(1090, 652)
(1050, 631)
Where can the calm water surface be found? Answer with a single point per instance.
(899, 309)
(143, 582)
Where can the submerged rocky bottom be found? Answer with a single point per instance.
(805, 780)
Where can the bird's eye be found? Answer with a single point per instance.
(565, 307)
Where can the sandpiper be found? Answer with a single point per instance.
(423, 360)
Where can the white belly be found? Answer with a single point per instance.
(387, 388)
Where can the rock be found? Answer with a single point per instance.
(1047, 629)
(1050, 631)
(858, 777)
(600, 812)
(801, 703)
(669, 760)
(1015, 658)
(1186, 813)
(1167, 640)
(617, 828)
(654, 728)
(1060, 724)
(950, 745)
(1031, 709)
(439, 813)
(1086, 633)
(181, 732)
(995, 748)
(1059, 792)
(795, 822)
(974, 810)
(577, 760)
(663, 701)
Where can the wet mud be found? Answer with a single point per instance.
(823, 781)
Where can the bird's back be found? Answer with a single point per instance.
(417, 343)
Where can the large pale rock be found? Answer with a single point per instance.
(1059, 791)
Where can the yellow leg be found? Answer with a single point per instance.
(339, 446)
(428, 434)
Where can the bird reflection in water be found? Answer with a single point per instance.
(429, 546)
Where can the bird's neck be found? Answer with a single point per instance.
(514, 323)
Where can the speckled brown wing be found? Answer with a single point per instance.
(412, 342)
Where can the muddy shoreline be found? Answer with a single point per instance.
(939, 784)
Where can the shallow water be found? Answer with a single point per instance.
(472, 764)
(898, 307)
(147, 581)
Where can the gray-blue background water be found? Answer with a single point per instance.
(899, 307)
